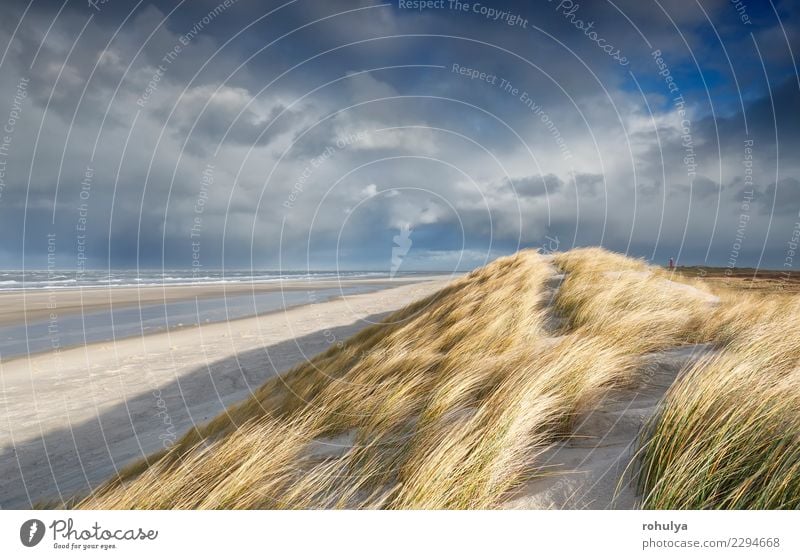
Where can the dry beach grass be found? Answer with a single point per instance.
(452, 401)
(728, 434)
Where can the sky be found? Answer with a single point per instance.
(361, 135)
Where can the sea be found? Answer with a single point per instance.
(48, 279)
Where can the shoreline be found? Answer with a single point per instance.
(19, 306)
(173, 329)
(84, 318)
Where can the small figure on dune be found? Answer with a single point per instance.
(671, 263)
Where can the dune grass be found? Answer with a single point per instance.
(448, 403)
(393, 384)
(728, 433)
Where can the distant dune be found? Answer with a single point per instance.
(576, 380)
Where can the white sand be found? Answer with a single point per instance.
(70, 419)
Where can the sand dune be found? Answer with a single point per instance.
(523, 384)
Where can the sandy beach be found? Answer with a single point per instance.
(71, 418)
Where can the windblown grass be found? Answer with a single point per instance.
(728, 434)
(623, 301)
(449, 402)
(444, 356)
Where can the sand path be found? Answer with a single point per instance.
(590, 470)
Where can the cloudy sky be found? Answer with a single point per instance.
(323, 133)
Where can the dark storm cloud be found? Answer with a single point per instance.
(208, 116)
(534, 186)
(781, 198)
(397, 136)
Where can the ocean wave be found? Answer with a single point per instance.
(38, 280)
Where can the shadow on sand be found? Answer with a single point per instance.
(72, 460)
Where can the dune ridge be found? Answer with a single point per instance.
(456, 401)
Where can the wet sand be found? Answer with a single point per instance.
(20, 305)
